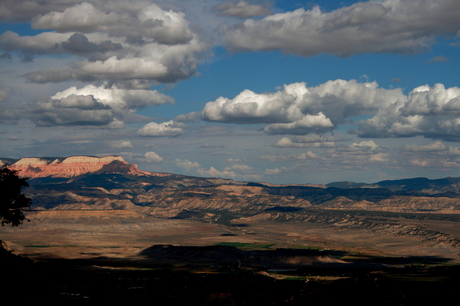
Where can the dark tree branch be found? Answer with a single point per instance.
(12, 201)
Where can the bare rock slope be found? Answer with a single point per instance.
(74, 166)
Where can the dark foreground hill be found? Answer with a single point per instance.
(105, 280)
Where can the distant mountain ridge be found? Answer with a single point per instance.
(415, 184)
(67, 167)
(73, 166)
(35, 167)
(171, 195)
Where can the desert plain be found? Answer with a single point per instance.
(124, 234)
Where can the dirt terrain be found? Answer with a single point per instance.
(87, 257)
(124, 234)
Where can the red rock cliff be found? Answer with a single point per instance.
(75, 165)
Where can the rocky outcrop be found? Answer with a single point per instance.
(415, 204)
(123, 167)
(76, 165)
(382, 226)
(234, 199)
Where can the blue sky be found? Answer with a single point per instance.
(272, 91)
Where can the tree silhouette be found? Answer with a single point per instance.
(12, 201)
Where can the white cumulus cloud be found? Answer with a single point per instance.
(432, 112)
(118, 40)
(307, 124)
(115, 97)
(298, 109)
(93, 106)
(310, 140)
(187, 165)
(363, 27)
(169, 128)
(152, 157)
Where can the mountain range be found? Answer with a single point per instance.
(84, 182)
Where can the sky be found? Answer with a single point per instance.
(285, 92)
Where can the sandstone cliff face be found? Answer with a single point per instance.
(76, 165)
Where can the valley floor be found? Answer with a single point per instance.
(53, 235)
(111, 259)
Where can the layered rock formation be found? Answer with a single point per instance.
(83, 187)
(75, 166)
